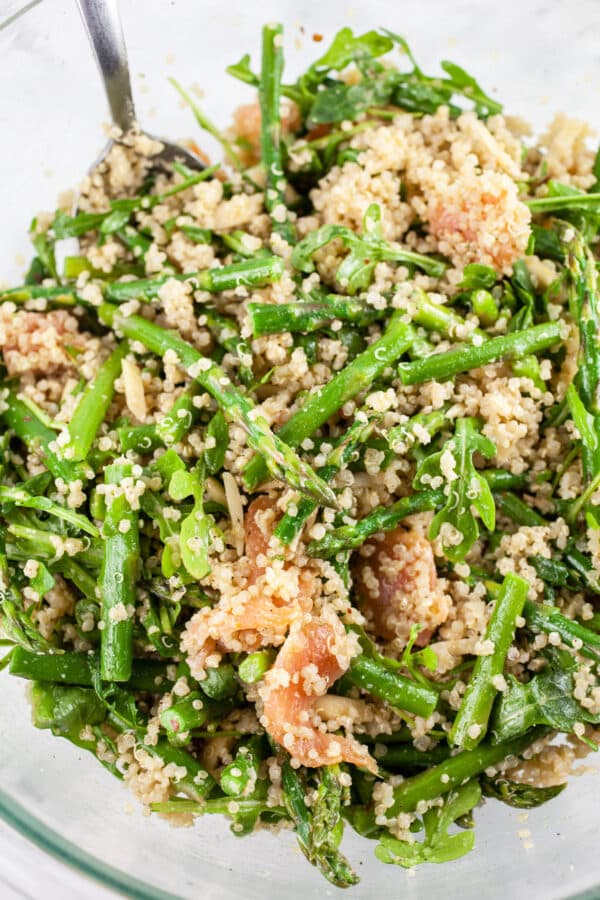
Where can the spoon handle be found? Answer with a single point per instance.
(103, 25)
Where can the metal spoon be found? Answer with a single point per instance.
(103, 25)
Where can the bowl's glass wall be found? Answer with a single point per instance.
(539, 57)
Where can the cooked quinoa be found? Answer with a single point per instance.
(300, 461)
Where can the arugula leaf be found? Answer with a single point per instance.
(324, 99)
(214, 456)
(194, 536)
(547, 699)
(466, 487)
(524, 291)
(242, 71)
(120, 211)
(345, 102)
(64, 709)
(521, 796)
(365, 251)
(43, 581)
(477, 277)
(461, 82)
(346, 48)
(437, 845)
(44, 249)
(425, 657)
(580, 208)
(166, 465)
(418, 92)
(547, 243)
(116, 700)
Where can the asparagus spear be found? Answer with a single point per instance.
(436, 317)
(446, 776)
(396, 689)
(93, 405)
(118, 577)
(515, 345)
(39, 438)
(249, 273)
(76, 669)
(274, 318)
(57, 295)
(349, 537)
(517, 510)
(406, 756)
(254, 667)
(22, 498)
(239, 777)
(171, 429)
(471, 723)
(280, 459)
(292, 522)
(318, 845)
(584, 306)
(565, 201)
(227, 335)
(269, 97)
(549, 619)
(192, 712)
(354, 378)
(385, 518)
(405, 433)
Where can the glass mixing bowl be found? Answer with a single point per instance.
(538, 58)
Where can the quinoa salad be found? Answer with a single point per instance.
(300, 460)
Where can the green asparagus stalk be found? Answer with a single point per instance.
(291, 524)
(280, 459)
(22, 498)
(549, 619)
(397, 690)
(471, 723)
(514, 345)
(93, 405)
(385, 518)
(248, 273)
(255, 666)
(57, 295)
(443, 319)
(319, 848)
(75, 669)
(354, 378)
(118, 577)
(227, 335)
(39, 438)
(190, 713)
(239, 777)
(349, 537)
(446, 776)
(517, 510)
(274, 318)
(406, 756)
(171, 429)
(404, 434)
(269, 97)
